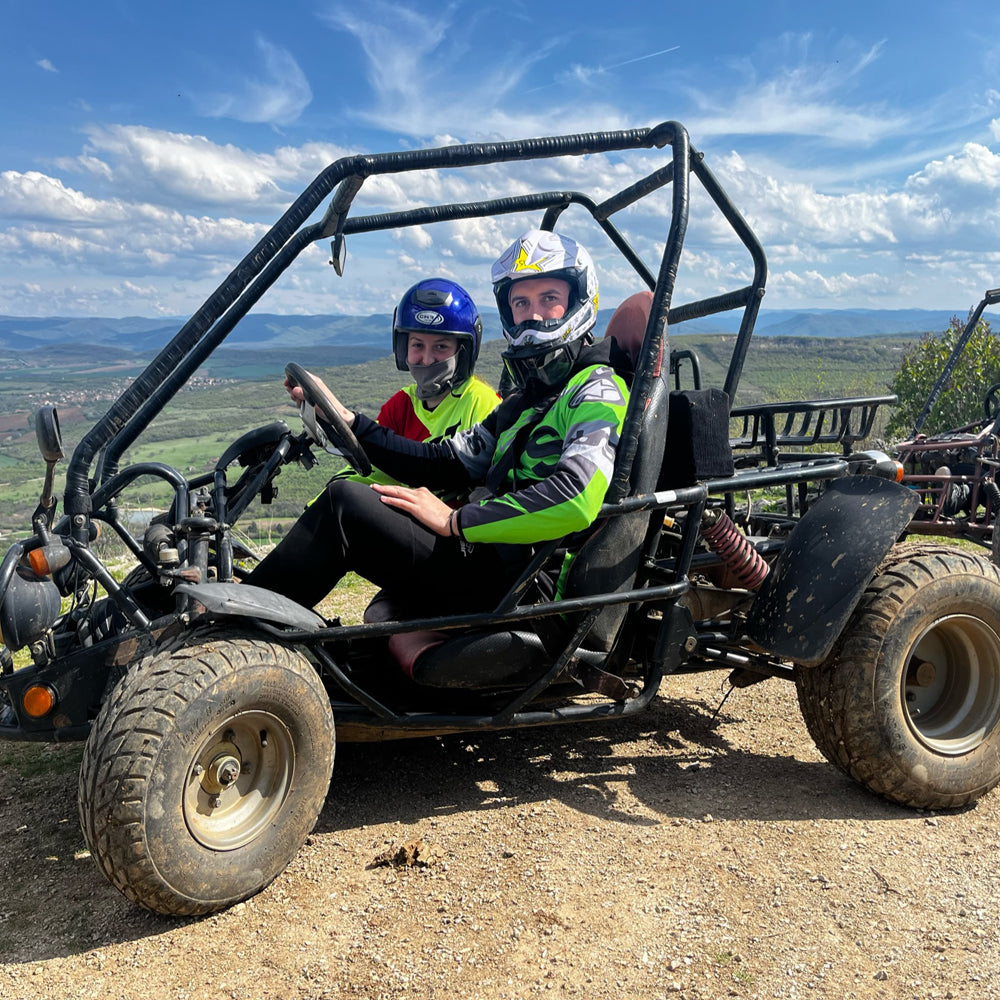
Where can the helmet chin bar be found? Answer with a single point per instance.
(542, 366)
(541, 325)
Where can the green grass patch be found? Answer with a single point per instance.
(34, 761)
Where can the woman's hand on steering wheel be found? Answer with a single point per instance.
(325, 417)
(298, 395)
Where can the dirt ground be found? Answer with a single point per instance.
(673, 855)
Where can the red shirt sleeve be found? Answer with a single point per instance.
(397, 415)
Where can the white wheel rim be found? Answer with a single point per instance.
(238, 780)
(950, 688)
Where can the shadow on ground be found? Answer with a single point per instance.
(674, 762)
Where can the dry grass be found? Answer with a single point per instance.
(348, 600)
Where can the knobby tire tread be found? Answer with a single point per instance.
(837, 697)
(121, 754)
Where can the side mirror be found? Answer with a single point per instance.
(48, 434)
(338, 254)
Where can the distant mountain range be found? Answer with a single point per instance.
(268, 331)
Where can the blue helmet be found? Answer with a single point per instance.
(439, 306)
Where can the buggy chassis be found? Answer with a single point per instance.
(954, 472)
(210, 707)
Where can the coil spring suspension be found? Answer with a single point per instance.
(733, 548)
(992, 492)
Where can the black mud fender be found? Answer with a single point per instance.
(831, 555)
(239, 600)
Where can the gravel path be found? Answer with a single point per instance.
(675, 856)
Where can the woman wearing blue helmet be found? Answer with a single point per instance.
(436, 335)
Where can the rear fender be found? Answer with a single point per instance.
(821, 573)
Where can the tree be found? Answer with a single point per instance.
(962, 397)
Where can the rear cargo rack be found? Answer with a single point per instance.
(831, 427)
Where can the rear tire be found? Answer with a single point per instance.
(204, 773)
(908, 702)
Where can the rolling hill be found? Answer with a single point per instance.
(268, 331)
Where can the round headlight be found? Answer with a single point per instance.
(29, 609)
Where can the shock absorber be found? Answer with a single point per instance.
(992, 492)
(733, 548)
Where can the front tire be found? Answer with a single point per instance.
(205, 772)
(908, 702)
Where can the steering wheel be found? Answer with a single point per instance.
(330, 427)
(992, 404)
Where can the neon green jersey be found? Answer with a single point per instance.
(557, 482)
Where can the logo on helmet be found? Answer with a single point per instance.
(427, 317)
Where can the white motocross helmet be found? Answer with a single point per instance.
(543, 351)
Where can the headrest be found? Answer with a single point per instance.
(628, 323)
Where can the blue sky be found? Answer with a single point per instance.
(146, 147)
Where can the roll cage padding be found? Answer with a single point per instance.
(649, 368)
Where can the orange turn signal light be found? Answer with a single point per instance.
(49, 558)
(39, 564)
(38, 700)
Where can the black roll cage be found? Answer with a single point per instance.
(144, 399)
(660, 582)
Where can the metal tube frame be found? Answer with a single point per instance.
(145, 398)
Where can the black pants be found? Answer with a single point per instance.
(349, 528)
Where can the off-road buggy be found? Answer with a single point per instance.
(955, 471)
(754, 540)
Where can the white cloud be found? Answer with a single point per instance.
(800, 95)
(34, 195)
(277, 95)
(824, 290)
(82, 298)
(803, 99)
(954, 202)
(147, 242)
(397, 40)
(416, 236)
(47, 65)
(184, 169)
(422, 71)
(162, 216)
(975, 172)
(478, 241)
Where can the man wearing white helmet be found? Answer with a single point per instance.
(542, 460)
(548, 318)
